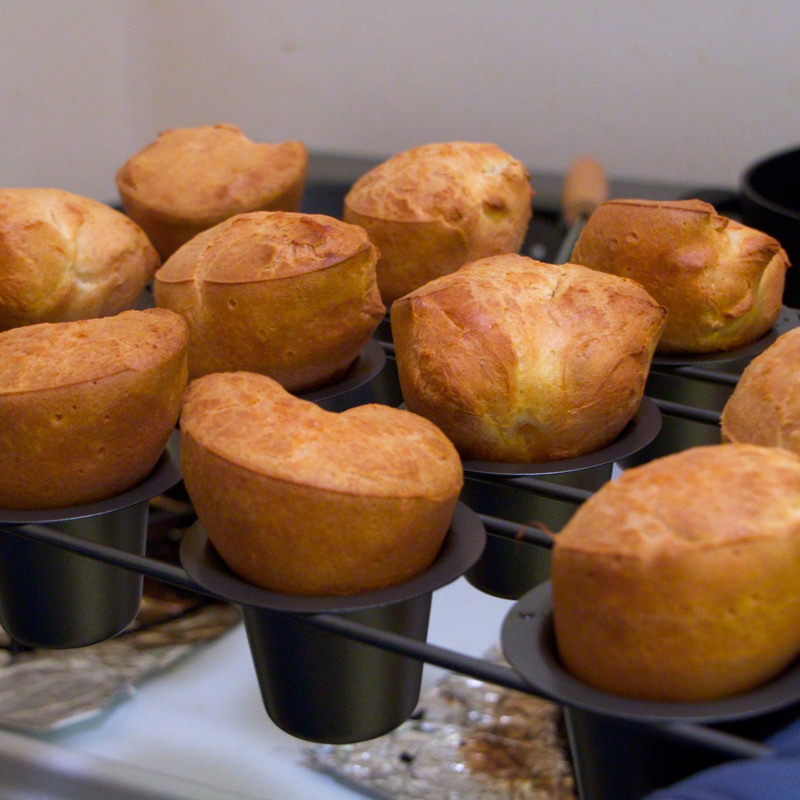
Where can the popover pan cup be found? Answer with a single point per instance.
(617, 751)
(53, 598)
(679, 433)
(508, 568)
(359, 385)
(321, 685)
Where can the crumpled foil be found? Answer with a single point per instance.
(467, 740)
(46, 690)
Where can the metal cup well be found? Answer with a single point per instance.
(321, 685)
(52, 598)
(509, 568)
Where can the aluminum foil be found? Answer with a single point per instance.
(467, 740)
(46, 690)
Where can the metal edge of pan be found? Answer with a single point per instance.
(528, 642)
(366, 367)
(462, 546)
(786, 322)
(637, 434)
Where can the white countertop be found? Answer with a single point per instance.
(200, 729)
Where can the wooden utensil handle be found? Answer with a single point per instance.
(585, 188)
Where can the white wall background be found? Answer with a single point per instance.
(681, 90)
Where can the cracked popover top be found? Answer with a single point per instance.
(521, 361)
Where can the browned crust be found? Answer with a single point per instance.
(190, 179)
(433, 208)
(64, 257)
(765, 405)
(721, 281)
(86, 408)
(263, 246)
(679, 581)
(272, 478)
(289, 295)
(253, 422)
(517, 360)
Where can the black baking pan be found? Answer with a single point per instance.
(52, 598)
(508, 568)
(770, 201)
(320, 685)
(618, 751)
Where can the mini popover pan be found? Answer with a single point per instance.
(321, 685)
(52, 598)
